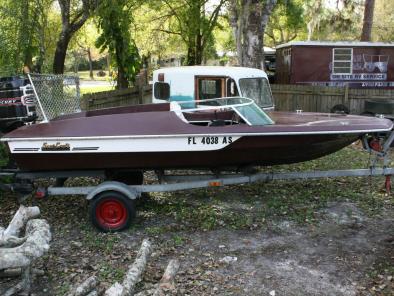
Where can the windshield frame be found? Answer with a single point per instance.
(244, 102)
(241, 91)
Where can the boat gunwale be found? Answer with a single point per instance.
(202, 135)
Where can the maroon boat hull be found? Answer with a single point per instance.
(294, 137)
(249, 150)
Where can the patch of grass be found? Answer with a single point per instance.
(100, 241)
(178, 240)
(95, 89)
(108, 272)
(63, 289)
(204, 215)
(85, 75)
(155, 230)
(245, 206)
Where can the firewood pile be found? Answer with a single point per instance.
(18, 253)
(132, 277)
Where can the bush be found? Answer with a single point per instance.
(101, 73)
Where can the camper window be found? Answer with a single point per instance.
(162, 90)
(232, 90)
(209, 88)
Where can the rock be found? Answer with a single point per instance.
(272, 293)
(76, 244)
(228, 259)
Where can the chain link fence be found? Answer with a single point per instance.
(56, 95)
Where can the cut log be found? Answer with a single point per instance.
(11, 241)
(148, 292)
(115, 290)
(133, 275)
(85, 288)
(13, 272)
(9, 236)
(167, 281)
(38, 236)
(24, 286)
(14, 290)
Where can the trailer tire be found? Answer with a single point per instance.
(111, 211)
(340, 108)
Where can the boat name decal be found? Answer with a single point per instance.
(209, 140)
(55, 147)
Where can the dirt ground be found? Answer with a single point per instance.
(326, 237)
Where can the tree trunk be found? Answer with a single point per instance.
(90, 63)
(121, 81)
(199, 50)
(235, 24)
(253, 38)
(41, 55)
(25, 37)
(249, 19)
(109, 65)
(368, 20)
(191, 55)
(70, 25)
(60, 53)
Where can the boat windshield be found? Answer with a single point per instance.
(245, 108)
(258, 90)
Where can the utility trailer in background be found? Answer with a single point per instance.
(112, 203)
(339, 63)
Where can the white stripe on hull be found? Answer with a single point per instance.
(234, 135)
(119, 145)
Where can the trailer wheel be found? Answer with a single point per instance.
(340, 108)
(111, 211)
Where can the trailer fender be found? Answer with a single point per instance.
(128, 191)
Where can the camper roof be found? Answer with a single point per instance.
(234, 72)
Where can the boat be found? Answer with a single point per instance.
(217, 134)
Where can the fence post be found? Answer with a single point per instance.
(346, 97)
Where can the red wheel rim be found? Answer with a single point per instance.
(111, 213)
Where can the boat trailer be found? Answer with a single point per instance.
(112, 203)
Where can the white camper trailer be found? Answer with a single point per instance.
(196, 83)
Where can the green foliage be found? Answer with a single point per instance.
(114, 19)
(287, 22)
(23, 34)
(193, 22)
(148, 26)
(383, 23)
(342, 21)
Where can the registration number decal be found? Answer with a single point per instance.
(212, 140)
